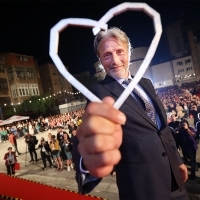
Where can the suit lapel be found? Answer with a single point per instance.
(146, 85)
(114, 87)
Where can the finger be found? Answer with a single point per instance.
(97, 144)
(93, 162)
(105, 110)
(102, 171)
(96, 125)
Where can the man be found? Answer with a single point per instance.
(31, 141)
(140, 144)
(174, 123)
(60, 135)
(13, 141)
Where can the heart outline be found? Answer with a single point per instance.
(101, 24)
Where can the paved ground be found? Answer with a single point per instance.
(106, 189)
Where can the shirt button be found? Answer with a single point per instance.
(164, 154)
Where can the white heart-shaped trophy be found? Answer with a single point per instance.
(97, 26)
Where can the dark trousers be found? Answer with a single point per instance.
(44, 158)
(15, 147)
(32, 151)
(191, 154)
(10, 169)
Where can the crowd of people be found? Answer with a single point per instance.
(179, 102)
(54, 149)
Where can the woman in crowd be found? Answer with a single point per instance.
(179, 111)
(66, 147)
(186, 140)
(10, 160)
(55, 149)
(45, 153)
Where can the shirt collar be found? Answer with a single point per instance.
(120, 80)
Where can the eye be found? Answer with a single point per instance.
(120, 51)
(106, 55)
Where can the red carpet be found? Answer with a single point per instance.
(18, 188)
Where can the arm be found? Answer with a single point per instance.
(191, 132)
(101, 122)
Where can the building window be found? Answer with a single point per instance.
(187, 61)
(30, 73)
(3, 84)
(54, 74)
(179, 63)
(189, 68)
(14, 91)
(180, 70)
(22, 58)
(62, 81)
(19, 72)
(10, 73)
(33, 89)
(1, 68)
(23, 89)
(25, 59)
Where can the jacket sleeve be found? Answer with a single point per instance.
(86, 182)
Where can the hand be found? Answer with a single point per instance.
(184, 172)
(100, 136)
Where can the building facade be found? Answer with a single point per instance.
(19, 78)
(54, 83)
(162, 75)
(184, 69)
(178, 39)
(137, 57)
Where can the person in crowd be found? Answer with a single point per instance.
(14, 130)
(179, 111)
(186, 109)
(10, 160)
(186, 137)
(66, 146)
(55, 149)
(194, 113)
(60, 135)
(49, 141)
(20, 129)
(30, 128)
(197, 132)
(4, 134)
(72, 127)
(31, 141)
(13, 141)
(174, 123)
(135, 138)
(37, 127)
(45, 153)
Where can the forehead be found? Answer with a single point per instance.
(111, 42)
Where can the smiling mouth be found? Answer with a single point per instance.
(114, 68)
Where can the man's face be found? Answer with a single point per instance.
(114, 57)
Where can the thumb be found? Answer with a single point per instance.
(108, 100)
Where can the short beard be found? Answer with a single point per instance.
(116, 75)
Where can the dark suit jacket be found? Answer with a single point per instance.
(149, 156)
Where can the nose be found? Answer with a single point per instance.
(115, 59)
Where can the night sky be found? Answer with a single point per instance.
(25, 28)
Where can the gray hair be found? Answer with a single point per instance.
(112, 32)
